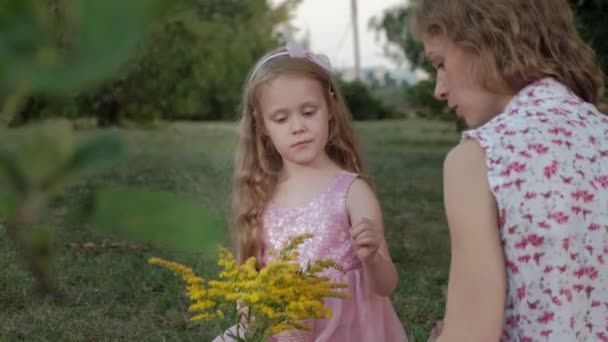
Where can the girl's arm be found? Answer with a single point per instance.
(477, 285)
(365, 215)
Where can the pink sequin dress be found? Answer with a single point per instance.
(364, 316)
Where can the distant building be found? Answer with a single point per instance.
(382, 76)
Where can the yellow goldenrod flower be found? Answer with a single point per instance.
(279, 297)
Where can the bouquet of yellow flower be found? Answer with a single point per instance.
(261, 303)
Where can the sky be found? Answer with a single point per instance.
(328, 23)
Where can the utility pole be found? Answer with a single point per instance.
(353, 7)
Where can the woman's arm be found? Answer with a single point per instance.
(477, 285)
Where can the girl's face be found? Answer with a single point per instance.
(296, 118)
(458, 84)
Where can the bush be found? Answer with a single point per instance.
(362, 103)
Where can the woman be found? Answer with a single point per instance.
(526, 190)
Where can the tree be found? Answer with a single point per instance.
(591, 16)
(404, 50)
(192, 64)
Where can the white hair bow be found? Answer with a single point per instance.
(296, 51)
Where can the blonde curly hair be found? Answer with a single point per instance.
(517, 41)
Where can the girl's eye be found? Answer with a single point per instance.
(309, 111)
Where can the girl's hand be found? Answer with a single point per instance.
(366, 239)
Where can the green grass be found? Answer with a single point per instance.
(112, 294)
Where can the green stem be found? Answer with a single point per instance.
(13, 104)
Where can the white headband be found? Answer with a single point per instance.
(293, 50)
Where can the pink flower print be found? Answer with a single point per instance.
(571, 101)
(546, 333)
(566, 293)
(551, 170)
(538, 148)
(585, 195)
(524, 259)
(603, 180)
(556, 301)
(538, 102)
(515, 167)
(567, 180)
(511, 321)
(533, 305)
(566, 244)
(522, 244)
(580, 272)
(536, 240)
(592, 273)
(512, 267)
(558, 217)
(558, 111)
(546, 318)
(521, 292)
(525, 154)
(500, 128)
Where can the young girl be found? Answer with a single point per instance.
(526, 191)
(298, 170)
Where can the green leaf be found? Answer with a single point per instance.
(156, 217)
(90, 157)
(104, 36)
(13, 186)
(38, 150)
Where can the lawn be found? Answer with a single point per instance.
(112, 294)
